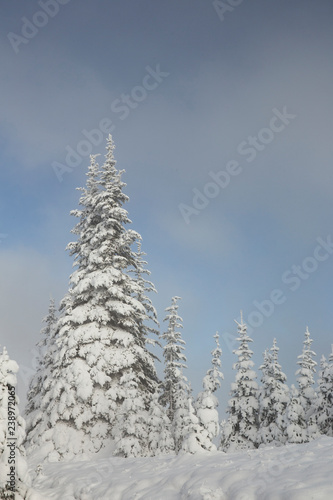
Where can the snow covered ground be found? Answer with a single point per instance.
(292, 472)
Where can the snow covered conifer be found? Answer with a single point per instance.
(306, 373)
(273, 400)
(174, 359)
(207, 403)
(160, 440)
(323, 406)
(305, 380)
(240, 429)
(181, 421)
(130, 431)
(196, 438)
(296, 428)
(264, 398)
(44, 359)
(100, 336)
(12, 434)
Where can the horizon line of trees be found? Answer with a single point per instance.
(269, 412)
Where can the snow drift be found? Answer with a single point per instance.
(290, 472)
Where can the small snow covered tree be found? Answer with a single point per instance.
(323, 406)
(100, 334)
(130, 431)
(296, 426)
(160, 440)
(181, 421)
(305, 374)
(196, 438)
(305, 380)
(264, 399)
(44, 359)
(273, 400)
(174, 359)
(207, 403)
(14, 477)
(240, 429)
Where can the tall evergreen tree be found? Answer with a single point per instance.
(273, 400)
(207, 403)
(174, 359)
(100, 335)
(240, 429)
(14, 476)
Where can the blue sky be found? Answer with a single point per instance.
(221, 81)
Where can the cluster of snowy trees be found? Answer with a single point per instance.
(273, 413)
(96, 384)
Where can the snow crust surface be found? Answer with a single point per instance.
(290, 472)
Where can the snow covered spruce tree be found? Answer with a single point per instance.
(44, 360)
(188, 434)
(160, 440)
(14, 477)
(181, 423)
(273, 400)
(176, 393)
(207, 403)
(196, 438)
(323, 407)
(296, 426)
(131, 430)
(240, 429)
(174, 359)
(305, 380)
(101, 334)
